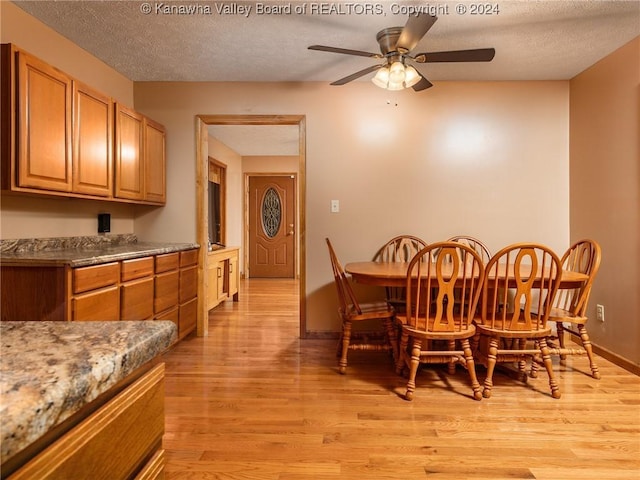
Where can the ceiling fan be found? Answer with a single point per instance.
(396, 44)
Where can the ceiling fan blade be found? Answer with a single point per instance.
(359, 74)
(475, 55)
(423, 84)
(414, 30)
(345, 51)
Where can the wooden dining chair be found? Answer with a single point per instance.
(569, 310)
(399, 249)
(480, 248)
(432, 317)
(520, 284)
(352, 311)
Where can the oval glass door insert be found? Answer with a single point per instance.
(271, 212)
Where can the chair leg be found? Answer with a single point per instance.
(451, 366)
(560, 333)
(346, 338)
(400, 362)
(586, 343)
(546, 359)
(522, 363)
(393, 337)
(492, 358)
(471, 368)
(534, 368)
(413, 368)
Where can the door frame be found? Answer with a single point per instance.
(296, 213)
(202, 159)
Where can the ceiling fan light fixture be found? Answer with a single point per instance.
(396, 77)
(381, 78)
(396, 73)
(411, 77)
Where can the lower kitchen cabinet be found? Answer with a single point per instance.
(223, 276)
(160, 287)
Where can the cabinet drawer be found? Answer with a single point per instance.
(136, 300)
(136, 268)
(188, 284)
(166, 262)
(100, 305)
(97, 276)
(188, 316)
(111, 443)
(166, 291)
(189, 257)
(172, 315)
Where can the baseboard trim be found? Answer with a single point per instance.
(612, 357)
(322, 335)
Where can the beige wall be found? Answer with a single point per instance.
(605, 191)
(24, 217)
(489, 159)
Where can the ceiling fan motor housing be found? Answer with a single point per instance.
(388, 39)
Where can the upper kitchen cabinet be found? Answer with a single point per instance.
(129, 160)
(154, 162)
(61, 137)
(140, 157)
(92, 141)
(44, 126)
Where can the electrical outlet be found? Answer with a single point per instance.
(335, 206)
(600, 312)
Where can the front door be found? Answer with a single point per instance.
(272, 224)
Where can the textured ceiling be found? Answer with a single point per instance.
(534, 40)
(258, 139)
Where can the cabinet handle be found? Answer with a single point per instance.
(219, 272)
(230, 268)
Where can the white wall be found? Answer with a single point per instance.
(487, 159)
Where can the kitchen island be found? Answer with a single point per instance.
(82, 400)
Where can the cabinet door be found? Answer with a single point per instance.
(234, 275)
(44, 131)
(136, 300)
(129, 163)
(188, 317)
(188, 284)
(92, 142)
(154, 162)
(100, 305)
(166, 291)
(213, 278)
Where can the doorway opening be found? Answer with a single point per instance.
(202, 135)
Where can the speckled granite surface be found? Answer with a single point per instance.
(49, 370)
(82, 251)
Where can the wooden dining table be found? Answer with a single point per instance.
(394, 274)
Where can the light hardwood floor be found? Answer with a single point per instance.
(253, 401)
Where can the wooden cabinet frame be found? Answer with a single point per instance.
(58, 138)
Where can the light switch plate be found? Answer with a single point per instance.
(335, 206)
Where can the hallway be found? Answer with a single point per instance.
(252, 401)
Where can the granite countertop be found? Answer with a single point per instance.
(82, 251)
(50, 370)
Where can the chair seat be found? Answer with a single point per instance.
(561, 315)
(420, 330)
(369, 311)
(513, 333)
